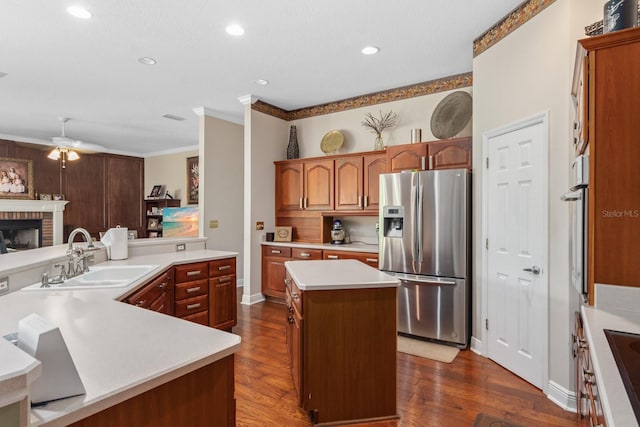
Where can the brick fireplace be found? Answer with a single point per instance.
(49, 212)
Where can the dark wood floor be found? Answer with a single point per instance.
(430, 393)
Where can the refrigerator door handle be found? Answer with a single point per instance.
(421, 280)
(414, 214)
(419, 228)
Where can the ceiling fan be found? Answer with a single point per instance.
(64, 141)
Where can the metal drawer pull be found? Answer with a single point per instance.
(332, 257)
(366, 201)
(162, 285)
(301, 207)
(294, 295)
(273, 251)
(287, 281)
(372, 259)
(305, 254)
(224, 267)
(140, 303)
(224, 279)
(360, 202)
(193, 273)
(191, 306)
(196, 289)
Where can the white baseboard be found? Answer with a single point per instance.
(252, 299)
(476, 346)
(566, 399)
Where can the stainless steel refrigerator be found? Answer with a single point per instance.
(425, 242)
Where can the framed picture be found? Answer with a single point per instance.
(282, 234)
(152, 224)
(156, 191)
(193, 180)
(45, 196)
(16, 178)
(58, 197)
(132, 234)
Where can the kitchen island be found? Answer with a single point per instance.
(342, 340)
(138, 367)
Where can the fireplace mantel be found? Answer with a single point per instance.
(54, 206)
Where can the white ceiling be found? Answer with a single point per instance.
(309, 51)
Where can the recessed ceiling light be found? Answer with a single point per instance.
(370, 50)
(146, 60)
(262, 82)
(234, 30)
(79, 12)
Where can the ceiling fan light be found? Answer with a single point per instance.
(72, 155)
(54, 154)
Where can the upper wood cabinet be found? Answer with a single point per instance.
(444, 154)
(357, 181)
(614, 182)
(304, 185)
(407, 157)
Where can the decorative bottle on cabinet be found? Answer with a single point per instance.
(293, 151)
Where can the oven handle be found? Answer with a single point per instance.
(571, 196)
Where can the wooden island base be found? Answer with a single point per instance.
(202, 398)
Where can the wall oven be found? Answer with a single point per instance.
(578, 198)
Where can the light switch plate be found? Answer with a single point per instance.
(213, 223)
(4, 285)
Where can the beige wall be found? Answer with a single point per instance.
(265, 137)
(412, 113)
(221, 185)
(527, 73)
(169, 170)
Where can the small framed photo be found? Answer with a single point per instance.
(132, 234)
(282, 234)
(156, 191)
(58, 197)
(152, 224)
(45, 196)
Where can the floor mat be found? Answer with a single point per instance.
(429, 350)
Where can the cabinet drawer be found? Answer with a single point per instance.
(201, 317)
(300, 253)
(189, 272)
(191, 289)
(189, 306)
(277, 251)
(294, 294)
(160, 303)
(149, 293)
(222, 280)
(368, 258)
(222, 267)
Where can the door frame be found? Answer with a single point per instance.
(539, 118)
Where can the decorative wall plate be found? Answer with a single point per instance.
(331, 141)
(451, 115)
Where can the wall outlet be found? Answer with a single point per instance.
(213, 223)
(181, 247)
(4, 285)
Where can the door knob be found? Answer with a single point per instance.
(535, 270)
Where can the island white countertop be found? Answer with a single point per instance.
(119, 350)
(337, 274)
(347, 247)
(615, 401)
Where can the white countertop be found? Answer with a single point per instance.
(119, 350)
(337, 274)
(615, 401)
(348, 247)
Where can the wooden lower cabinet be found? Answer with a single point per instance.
(204, 293)
(201, 398)
(342, 353)
(274, 257)
(157, 295)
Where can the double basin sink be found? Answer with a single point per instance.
(99, 277)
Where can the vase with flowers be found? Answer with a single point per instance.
(378, 124)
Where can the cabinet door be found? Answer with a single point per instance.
(273, 270)
(349, 183)
(289, 187)
(318, 185)
(222, 302)
(407, 157)
(374, 165)
(450, 154)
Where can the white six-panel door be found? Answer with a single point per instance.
(516, 229)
